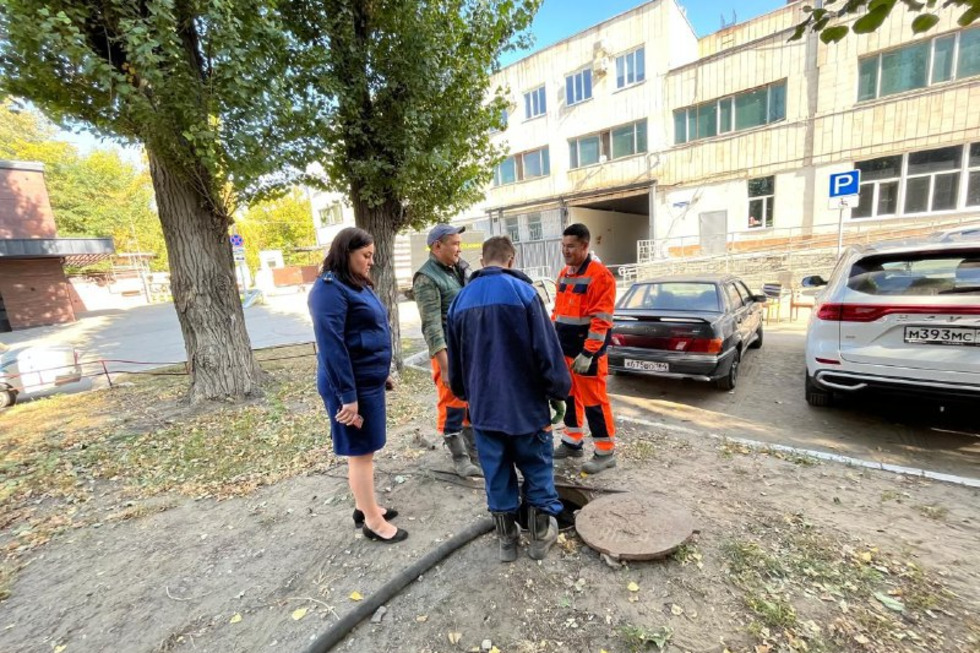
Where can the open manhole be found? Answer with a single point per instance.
(572, 500)
(634, 527)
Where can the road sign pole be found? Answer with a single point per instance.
(840, 229)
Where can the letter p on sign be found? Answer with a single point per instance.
(845, 183)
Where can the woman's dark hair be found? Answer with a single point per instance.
(337, 261)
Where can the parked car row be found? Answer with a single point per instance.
(899, 318)
(36, 369)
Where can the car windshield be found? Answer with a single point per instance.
(673, 296)
(917, 274)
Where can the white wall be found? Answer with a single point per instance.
(614, 235)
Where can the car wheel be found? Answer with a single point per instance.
(7, 398)
(757, 343)
(729, 381)
(817, 396)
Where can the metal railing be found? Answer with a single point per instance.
(791, 239)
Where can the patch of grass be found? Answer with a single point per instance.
(784, 564)
(938, 513)
(7, 573)
(141, 439)
(638, 638)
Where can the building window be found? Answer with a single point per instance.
(614, 143)
(527, 165)
(534, 228)
(759, 106)
(578, 87)
(535, 103)
(503, 122)
(513, 227)
(762, 198)
(630, 68)
(331, 215)
(932, 180)
(927, 181)
(941, 59)
(973, 188)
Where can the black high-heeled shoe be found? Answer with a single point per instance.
(388, 514)
(397, 537)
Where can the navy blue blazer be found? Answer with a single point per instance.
(352, 337)
(504, 356)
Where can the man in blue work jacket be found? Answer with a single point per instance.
(505, 360)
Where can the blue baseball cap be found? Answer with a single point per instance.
(440, 231)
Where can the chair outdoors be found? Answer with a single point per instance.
(802, 298)
(774, 293)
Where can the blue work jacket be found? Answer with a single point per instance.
(504, 356)
(352, 337)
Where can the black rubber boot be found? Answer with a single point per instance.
(470, 439)
(563, 451)
(544, 532)
(461, 460)
(506, 523)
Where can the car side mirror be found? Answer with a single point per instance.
(813, 281)
(762, 299)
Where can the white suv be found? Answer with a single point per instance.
(901, 317)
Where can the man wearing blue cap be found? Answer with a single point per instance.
(435, 286)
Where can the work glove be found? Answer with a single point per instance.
(582, 363)
(558, 406)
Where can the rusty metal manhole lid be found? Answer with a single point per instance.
(634, 527)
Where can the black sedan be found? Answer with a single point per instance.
(694, 327)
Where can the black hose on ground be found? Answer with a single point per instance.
(366, 608)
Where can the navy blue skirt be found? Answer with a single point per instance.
(350, 441)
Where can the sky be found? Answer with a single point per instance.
(559, 19)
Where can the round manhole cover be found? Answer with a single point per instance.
(634, 527)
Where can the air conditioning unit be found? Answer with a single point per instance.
(601, 49)
(600, 66)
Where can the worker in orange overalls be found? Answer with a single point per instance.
(583, 319)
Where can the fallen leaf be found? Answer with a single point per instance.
(494, 649)
(633, 587)
(763, 648)
(355, 596)
(299, 613)
(235, 619)
(455, 637)
(861, 639)
(889, 602)
(676, 610)
(422, 618)
(866, 556)
(60, 647)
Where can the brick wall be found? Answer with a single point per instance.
(25, 211)
(35, 292)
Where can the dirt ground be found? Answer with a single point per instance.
(792, 554)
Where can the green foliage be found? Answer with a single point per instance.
(872, 14)
(199, 83)
(406, 100)
(96, 195)
(283, 223)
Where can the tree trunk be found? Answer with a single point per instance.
(205, 291)
(382, 223)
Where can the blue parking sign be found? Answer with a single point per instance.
(845, 183)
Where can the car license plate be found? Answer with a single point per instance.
(942, 335)
(646, 366)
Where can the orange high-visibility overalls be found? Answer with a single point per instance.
(583, 319)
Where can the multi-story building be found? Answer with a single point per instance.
(650, 135)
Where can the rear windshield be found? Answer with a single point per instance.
(673, 296)
(935, 273)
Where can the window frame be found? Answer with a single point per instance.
(571, 78)
(963, 171)
(725, 110)
(639, 76)
(520, 166)
(536, 98)
(605, 139)
(334, 207)
(768, 201)
(930, 71)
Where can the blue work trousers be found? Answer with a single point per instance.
(501, 455)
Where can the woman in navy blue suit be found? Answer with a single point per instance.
(353, 361)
